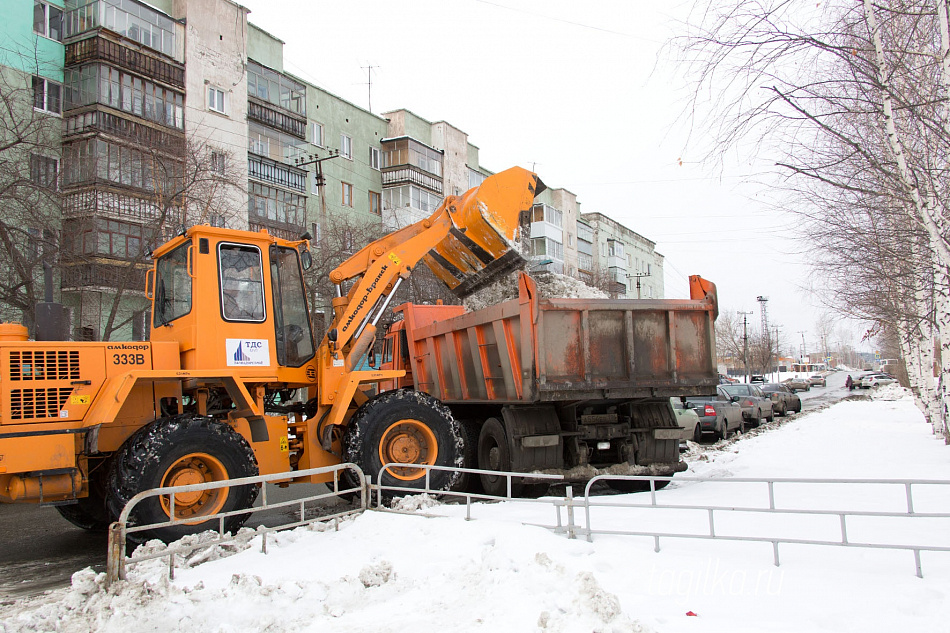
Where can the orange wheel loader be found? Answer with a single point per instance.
(87, 425)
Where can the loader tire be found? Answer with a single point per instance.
(90, 513)
(407, 427)
(182, 450)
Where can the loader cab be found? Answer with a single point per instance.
(232, 299)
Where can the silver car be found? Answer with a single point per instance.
(756, 406)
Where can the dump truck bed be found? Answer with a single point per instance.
(532, 349)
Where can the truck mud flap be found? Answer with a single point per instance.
(534, 438)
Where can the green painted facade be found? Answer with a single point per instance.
(22, 48)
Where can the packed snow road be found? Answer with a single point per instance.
(41, 550)
(393, 572)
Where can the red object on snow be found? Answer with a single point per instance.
(695, 615)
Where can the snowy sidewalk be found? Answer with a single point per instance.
(389, 572)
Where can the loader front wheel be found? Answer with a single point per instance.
(178, 451)
(405, 427)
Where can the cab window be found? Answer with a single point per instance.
(242, 283)
(291, 320)
(172, 287)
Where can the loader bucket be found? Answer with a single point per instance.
(484, 242)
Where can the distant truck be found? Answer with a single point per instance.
(568, 386)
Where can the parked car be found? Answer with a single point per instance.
(756, 406)
(877, 380)
(717, 414)
(688, 420)
(757, 379)
(726, 380)
(783, 398)
(797, 384)
(817, 381)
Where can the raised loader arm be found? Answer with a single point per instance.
(467, 242)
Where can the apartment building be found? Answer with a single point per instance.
(178, 112)
(624, 262)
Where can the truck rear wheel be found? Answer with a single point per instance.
(494, 454)
(405, 427)
(178, 451)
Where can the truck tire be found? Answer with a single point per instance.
(494, 454)
(89, 513)
(181, 450)
(409, 427)
(469, 482)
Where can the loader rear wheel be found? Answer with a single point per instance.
(178, 451)
(404, 427)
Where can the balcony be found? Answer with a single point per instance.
(132, 20)
(411, 175)
(104, 274)
(267, 114)
(283, 230)
(93, 121)
(100, 48)
(275, 173)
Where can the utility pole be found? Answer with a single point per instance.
(764, 311)
(314, 159)
(778, 357)
(804, 349)
(745, 342)
(638, 276)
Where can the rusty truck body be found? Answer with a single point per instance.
(573, 386)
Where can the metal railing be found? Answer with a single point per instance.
(379, 490)
(589, 501)
(594, 507)
(117, 561)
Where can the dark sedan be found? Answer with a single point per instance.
(783, 398)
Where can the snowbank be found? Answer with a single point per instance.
(392, 572)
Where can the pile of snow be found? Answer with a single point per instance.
(384, 571)
(550, 286)
(892, 391)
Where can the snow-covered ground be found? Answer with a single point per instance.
(396, 572)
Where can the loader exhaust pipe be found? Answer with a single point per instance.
(51, 321)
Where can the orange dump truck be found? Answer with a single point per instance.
(571, 386)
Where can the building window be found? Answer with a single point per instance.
(375, 157)
(276, 205)
(316, 134)
(47, 95)
(98, 83)
(546, 213)
(346, 146)
(217, 163)
(216, 99)
(347, 194)
(614, 248)
(44, 171)
(375, 203)
(276, 88)
(48, 21)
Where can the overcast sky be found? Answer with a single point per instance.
(585, 95)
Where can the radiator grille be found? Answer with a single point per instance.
(38, 403)
(44, 365)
